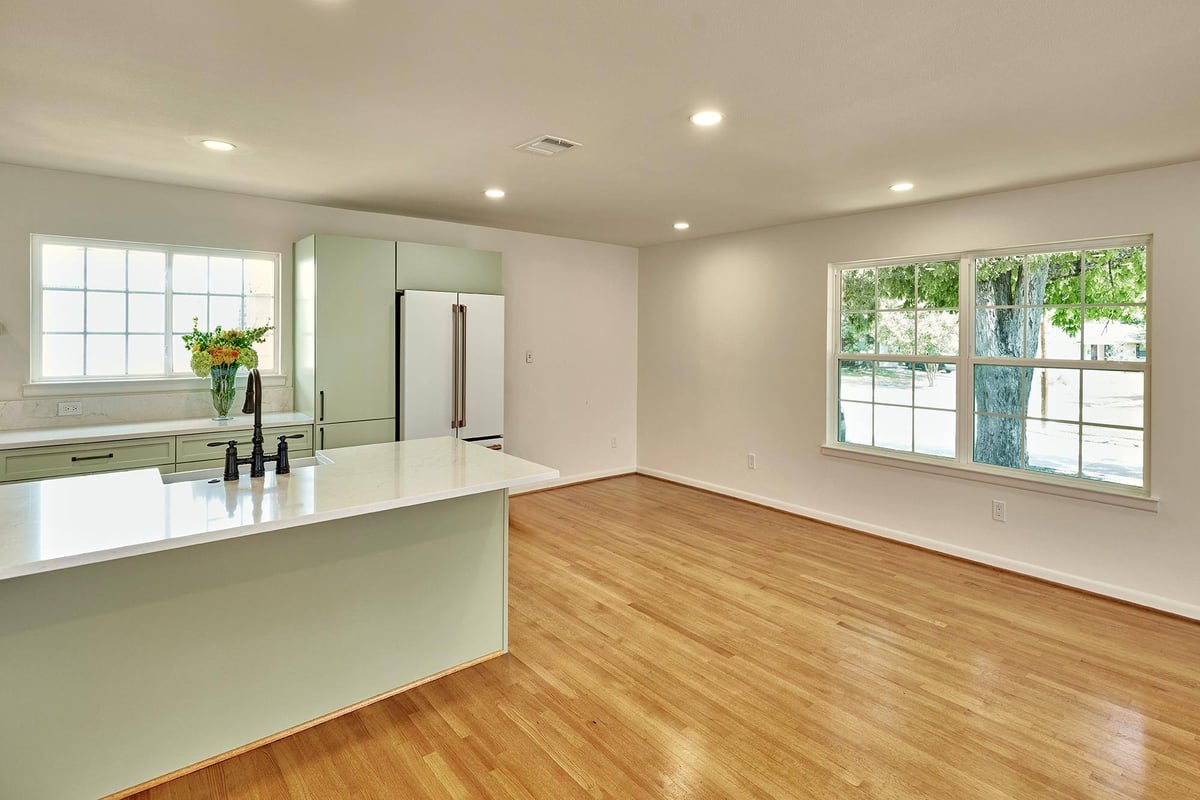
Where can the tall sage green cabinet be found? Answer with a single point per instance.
(345, 338)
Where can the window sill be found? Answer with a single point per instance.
(1131, 498)
(133, 386)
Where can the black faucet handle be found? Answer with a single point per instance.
(230, 443)
(282, 465)
(231, 458)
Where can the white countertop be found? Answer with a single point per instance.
(67, 522)
(40, 437)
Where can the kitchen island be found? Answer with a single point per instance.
(148, 626)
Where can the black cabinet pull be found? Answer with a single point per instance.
(92, 458)
(322, 415)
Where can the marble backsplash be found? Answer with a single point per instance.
(42, 412)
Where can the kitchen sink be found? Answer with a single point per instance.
(217, 472)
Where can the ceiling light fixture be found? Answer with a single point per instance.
(706, 118)
(903, 186)
(495, 194)
(682, 226)
(218, 145)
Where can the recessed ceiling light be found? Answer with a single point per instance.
(682, 226)
(217, 144)
(903, 186)
(706, 118)
(495, 194)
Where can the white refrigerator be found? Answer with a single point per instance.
(451, 371)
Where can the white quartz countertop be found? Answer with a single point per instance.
(67, 522)
(40, 437)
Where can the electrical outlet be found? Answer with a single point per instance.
(614, 443)
(528, 356)
(752, 460)
(71, 408)
(999, 511)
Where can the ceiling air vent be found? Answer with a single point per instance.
(547, 145)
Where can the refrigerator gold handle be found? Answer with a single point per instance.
(462, 383)
(454, 387)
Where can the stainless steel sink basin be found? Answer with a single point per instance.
(217, 472)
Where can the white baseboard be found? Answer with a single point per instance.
(1053, 576)
(567, 480)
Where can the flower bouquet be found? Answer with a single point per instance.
(218, 355)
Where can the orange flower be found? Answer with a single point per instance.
(222, 355)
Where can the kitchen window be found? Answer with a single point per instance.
(104, 310)
(1030, 362)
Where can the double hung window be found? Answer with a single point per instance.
(104, 310)
(1031, 361)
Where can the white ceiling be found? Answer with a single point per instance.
(414, 108)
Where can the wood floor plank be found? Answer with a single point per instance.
(670, 643)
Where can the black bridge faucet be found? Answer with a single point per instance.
(257, 458)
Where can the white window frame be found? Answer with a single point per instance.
(40, 385)
(963, 465)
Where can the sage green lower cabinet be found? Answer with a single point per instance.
(168, 453)
(55, 461)
(353, 434)
(120, 672)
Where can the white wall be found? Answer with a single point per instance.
(573, 303)
(732, 349)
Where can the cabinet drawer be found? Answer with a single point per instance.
(80, 459)
(194, 447)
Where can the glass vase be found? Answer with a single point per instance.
(223, 388)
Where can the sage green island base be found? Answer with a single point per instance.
(115, 673)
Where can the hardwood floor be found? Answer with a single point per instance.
(668, 643)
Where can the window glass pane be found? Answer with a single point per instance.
(937, 333)
(146, 355)
(1115, 333)
(897, 332)
(998, 390)
(937, 285)
(225, 311)
(181, 357)
(185, 307)
(893, 428)
(147, 271)
(225, 275)
(999, 332)
(1054, 393)
(854, 423)
(854, 380)
(266, 352)
(62, 266)
(189, 273)
(893, 383)
(1052, 447)
(105, 268)
(1054, 333)
(62, 311)
(105, 312)
(897, 286)
(1112, 454)
(1116, 276)
(147, 313)
(259, 311)
(934, 432)
(998, 441)
(935, 386)
(858, 333)
(1113, 398)
(62, 356)
(259, 276)
(105, 355)
(1053, 278)
(998, 281)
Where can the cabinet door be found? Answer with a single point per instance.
(483, 377)
(352, 434)
(427, 347)
(355, 329)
